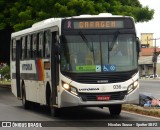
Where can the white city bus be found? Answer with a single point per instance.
(80, 61)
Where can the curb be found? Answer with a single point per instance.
(148, 111)
(5, 86)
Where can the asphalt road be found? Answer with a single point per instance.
(71, 119)
(150, 87)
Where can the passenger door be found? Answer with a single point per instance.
(18, 56)
(54, 66)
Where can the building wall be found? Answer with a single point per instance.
(145, 39)
(158, 65)
(146, 66)
(145, 70)
(158, 69)
(145, 60)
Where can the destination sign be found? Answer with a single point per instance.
(93, 24)
(98, 24)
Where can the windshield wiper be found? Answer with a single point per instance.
(86, 41)
(114, 40)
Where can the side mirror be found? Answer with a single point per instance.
(138, 46)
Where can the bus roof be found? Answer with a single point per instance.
(38, 26)
(56, 21)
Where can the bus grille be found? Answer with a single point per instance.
(93, 96)
(100, 78)
(95, 79)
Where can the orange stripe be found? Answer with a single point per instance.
(40, 70)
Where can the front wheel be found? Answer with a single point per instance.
(54, 111)
(115, 110)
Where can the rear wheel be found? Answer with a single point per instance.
(25, 103)
(115, 110)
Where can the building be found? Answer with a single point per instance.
(146, 40)
(146, 62)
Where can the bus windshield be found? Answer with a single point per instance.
(99, 53)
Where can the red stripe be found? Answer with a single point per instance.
(40, 70)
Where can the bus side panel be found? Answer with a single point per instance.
(35, 77)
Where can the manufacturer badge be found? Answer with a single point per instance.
(103, 88)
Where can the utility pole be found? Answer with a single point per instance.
(147, 42)
(154, 59)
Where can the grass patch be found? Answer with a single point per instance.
(5, 82)
(150, 111)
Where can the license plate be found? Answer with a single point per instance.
(103, 98)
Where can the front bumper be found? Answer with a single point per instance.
(70, 100)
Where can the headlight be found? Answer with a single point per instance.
(66, 86)
(132, 87)
(69, 88)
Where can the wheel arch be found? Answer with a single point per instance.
(22, 87)
(48, 93)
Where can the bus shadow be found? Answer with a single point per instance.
(87, 113)
(84, 113)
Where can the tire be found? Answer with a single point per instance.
(54, 111)
(115, 110)
(25, 103)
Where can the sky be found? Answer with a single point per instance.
(152, 26)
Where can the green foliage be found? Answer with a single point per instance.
(143, 14)
(5, 71)
(21, 14)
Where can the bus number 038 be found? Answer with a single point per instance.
(116, 86)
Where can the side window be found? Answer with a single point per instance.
(13, 49)
(40, 46)
(34, 46)
(24, 48)
(25, 55)
(47, 43)
(29, 46)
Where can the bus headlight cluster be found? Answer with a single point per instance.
(132, 87)
(69, 88)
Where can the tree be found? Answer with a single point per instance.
(5, 71)
(20, 14)
(5, 13)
